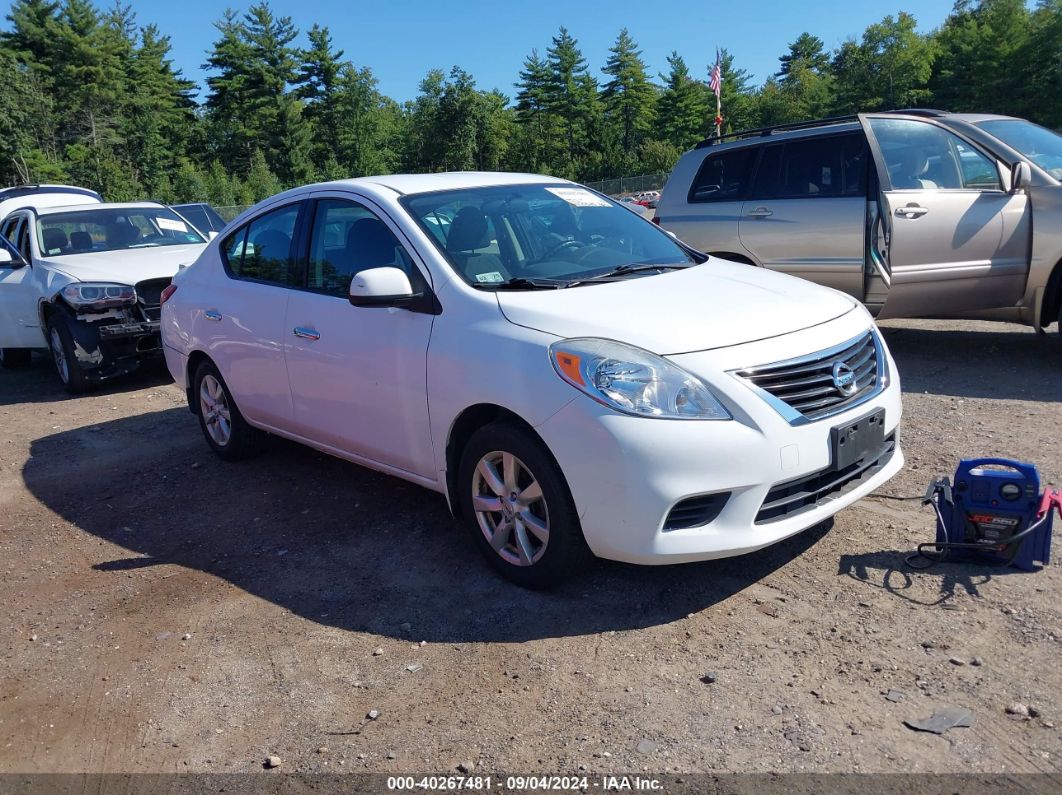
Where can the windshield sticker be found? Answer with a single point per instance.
(578, 197)
(53, 252)
(172, 224)
(489, 278)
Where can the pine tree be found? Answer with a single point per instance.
(683, 108)
(628, 97)
(571, 97)
(318, 86)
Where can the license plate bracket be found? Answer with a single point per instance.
(856, 440)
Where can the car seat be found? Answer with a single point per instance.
(54, 240)
(468, 233)
(80, 241)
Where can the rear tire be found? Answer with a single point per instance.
(13, 358)
(224, 427)
(517, 506)
(64, 356)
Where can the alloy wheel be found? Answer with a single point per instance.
(510, 508)
(214, 409)
(59, 355)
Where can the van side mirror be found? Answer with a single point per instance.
(1020, 176)
(381, 287)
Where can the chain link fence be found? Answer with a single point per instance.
(230, 211)
(622, 186)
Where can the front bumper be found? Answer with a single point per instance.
(105, 349)
(626, 474)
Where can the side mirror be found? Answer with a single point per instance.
(1020, 176)
(8, 260)
(381, 287)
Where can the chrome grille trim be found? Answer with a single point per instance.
(802, 389)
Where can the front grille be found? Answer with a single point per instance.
(796, 496)
(808, 388)
(696, 511)
(149, 291)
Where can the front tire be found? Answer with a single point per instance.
(12, 358)
(517, 506)
(224, 427)
(64, 356)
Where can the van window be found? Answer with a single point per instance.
(833, 166)
(261, 250)
(723, 176)
(919, 155)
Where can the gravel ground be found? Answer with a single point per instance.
(165, 611)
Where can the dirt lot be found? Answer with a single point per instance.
(165, 611)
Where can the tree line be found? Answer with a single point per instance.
(91, 97)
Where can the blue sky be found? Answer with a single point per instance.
(402, 40)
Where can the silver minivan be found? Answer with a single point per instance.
(917, 213)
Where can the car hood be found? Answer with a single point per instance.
(127, 266)
(713, 305)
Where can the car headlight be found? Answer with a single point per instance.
(634, 381)
(98, 295)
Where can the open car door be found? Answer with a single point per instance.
(947, 235)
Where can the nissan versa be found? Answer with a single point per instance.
(571, 377)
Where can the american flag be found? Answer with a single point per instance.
(715, 81)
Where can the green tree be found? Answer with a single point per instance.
(318, 82)
(806, 53)
(980, 48)
(889, 68)
(538, 129)
(571, 97)
(683, 106)
(628, 97)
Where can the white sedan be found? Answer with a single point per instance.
(86, 282)
(571, 377)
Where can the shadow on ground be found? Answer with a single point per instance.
(938, 584)
(1012, 363)
(339, 544)
(39, 383)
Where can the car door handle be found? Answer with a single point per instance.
(911, 211)
(306, 333)
(212, 314)
(759, 212)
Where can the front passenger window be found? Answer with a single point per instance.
(347, 238)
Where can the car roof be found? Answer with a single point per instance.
(32, 190)
(79, 208)
(427, 183)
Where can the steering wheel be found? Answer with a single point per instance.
(572, 244)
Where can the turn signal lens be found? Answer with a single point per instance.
(169, 290)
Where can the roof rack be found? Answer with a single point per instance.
(810, 124)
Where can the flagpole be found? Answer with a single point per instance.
(718, 116)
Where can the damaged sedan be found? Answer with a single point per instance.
(85, 282)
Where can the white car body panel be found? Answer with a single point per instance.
(387, 385)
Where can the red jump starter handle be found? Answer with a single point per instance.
(1052, 499)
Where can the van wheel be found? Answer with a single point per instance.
(517, 506)
(64, 357)
(12, 358)
(224, 427)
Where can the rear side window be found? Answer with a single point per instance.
(262, 250)
(723, 176)
(833, 166)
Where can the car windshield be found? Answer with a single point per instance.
(1037, 143)
(112, 229)
(528, 236)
